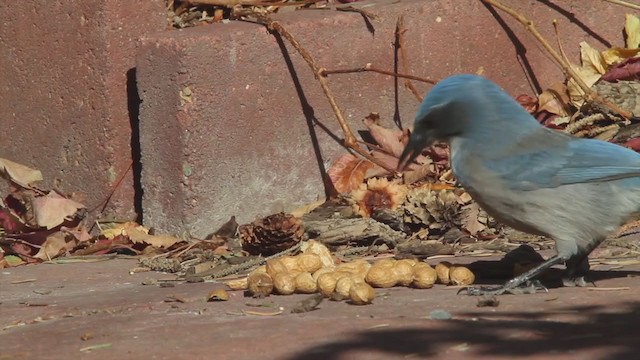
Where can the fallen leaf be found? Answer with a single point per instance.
(589, 76)
(471, 223)
(80, 233)
(122, 229)
(13, 260)
(592, 58)
(19, 174)
(615, 55)
(161, 241)
(52, 210)
(388, 139)
(626, 70)
(348, 172)
(528, 103)
(555, 100)
(632, 29)
(633, 144)
(593, 67)
(54, 244)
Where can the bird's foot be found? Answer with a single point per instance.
(529, 287)
(572, 281)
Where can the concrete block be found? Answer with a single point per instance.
(67, 92)
(234, 123)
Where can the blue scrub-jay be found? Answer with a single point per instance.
(534, 179)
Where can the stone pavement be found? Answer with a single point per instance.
(119, 318)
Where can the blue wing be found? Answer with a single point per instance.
(550, 159)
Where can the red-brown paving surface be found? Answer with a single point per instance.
(48, 317)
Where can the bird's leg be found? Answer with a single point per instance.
(577, 268)
(514, 285)
(578, 265)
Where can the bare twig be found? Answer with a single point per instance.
(624, 3)
(370, 68)
(254, 263)
(231, 3)
(368, 14)
(404, 60)
(566, 68)
(557, 29)
(350, 140)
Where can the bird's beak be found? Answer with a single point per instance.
(411, 151)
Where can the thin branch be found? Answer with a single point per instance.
(370, 68)
(231, 3)
(106, 201)
(566, 68)
(624, 3)
(400, 31)
(556, 27)
(350, 140)
(368, 14)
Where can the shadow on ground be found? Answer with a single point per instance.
(511, 334)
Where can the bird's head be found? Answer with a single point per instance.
(462, 106)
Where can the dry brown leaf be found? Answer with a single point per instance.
(79, 233)
(54, 244)
(471, 223)
(122, 229)
(592, 58)
(592, 69)
(388, 139)
(348, 172)
(589, 76)
(632, 29)
(19, 174)
(138, 236)
(52, 210)
(555, 100)
(615, 55)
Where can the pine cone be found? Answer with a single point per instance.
(271, 235)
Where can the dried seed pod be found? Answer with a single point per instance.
(411, 262)
(361, 294)
(305, 284)
(340, 274)
(381, 276)
(327, 284)
(318, 248)
(343, 286)
(385, 262)
(309, 262)
(238, 284)
(260, 269)
(404, 272)
(291, 263)
(424, 276)
(284, 283)
(259, 284)
(461, 275)
(274, 267)
(321, 271)
(355, 267)
(442, 270)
